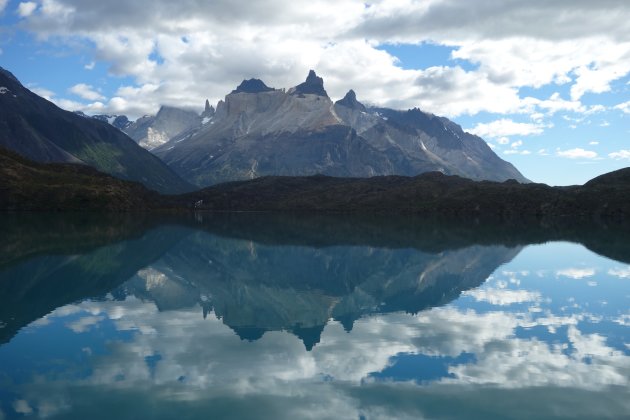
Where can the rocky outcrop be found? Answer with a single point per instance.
(208, 111)
(350, 101)
(314, 85)
(252, 86)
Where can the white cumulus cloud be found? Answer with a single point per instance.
(201, 50)
(577, 153)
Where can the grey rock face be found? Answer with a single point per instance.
(259, 131)
(153, 131)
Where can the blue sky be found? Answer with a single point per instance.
(546, 85)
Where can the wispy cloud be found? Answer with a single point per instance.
(503, 297)
(624, 107)
(621, 272)
(86, 92)
(26, 8)
(576, 273)
(506, 127)
(620, 155)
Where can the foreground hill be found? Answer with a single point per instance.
(39, 130)
(259, 131)
(27, 185)
(430, 194)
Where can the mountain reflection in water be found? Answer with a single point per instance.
(287, 316)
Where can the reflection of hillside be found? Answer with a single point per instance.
(32, 287)
(258, 287)
(26, 235)
(262, 272)
(409, 231)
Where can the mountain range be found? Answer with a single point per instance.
(39, 130)
(258, 130)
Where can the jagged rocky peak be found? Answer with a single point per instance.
(252, 86)
(350, 101)
(208, 110)
(314, 85)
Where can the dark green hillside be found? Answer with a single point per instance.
(27, 185)
(432, 194)
(39, 130)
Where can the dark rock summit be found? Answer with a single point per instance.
(313, 85)
(350, 101)
(252, 86)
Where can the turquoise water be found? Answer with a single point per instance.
(280, 317)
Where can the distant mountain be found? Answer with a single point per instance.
(121, 122)
(39, 130)
(153, 131)
(260, 131)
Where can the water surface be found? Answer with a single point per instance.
(261, 316)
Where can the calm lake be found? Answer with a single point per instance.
(281, 316)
